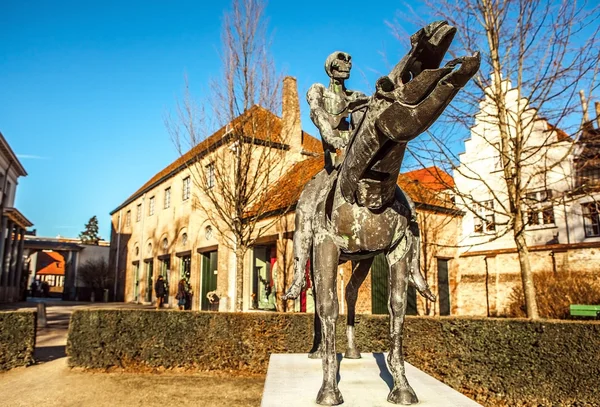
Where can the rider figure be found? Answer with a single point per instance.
(337, 112)
(333, 109)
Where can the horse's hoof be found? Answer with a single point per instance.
(405, 396)
(329, 397)
(318, 354)
(352, 353)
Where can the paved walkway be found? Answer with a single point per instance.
(50, 382)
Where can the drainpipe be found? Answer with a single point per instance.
(117, 256)
(566, 220)
(142, 245)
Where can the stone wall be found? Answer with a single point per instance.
(486, 280)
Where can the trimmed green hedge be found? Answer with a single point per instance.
(17, 338)
(494, 361)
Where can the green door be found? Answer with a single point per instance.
(443, 286)
(379, 285)
(149, 280)
(209, 278)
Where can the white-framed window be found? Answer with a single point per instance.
(591, 219)
(539, 208)
(210, 175)
(128, 219)
(138, 213)
(167, 197)
(484, 218)
(186, 188)
(151, 206)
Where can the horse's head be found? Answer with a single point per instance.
(419, 72)
(405, 104)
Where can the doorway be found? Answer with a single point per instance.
(185, 273)
(263, 279)
(443, 286)
(149, 273)
(379, 288)
(379, 285)
(165, 271)
(136, 281)
(210, 262)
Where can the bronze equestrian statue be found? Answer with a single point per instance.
(354, 210)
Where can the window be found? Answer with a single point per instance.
(484, 217)
(138, 213)
(151, 206)
(167, 197)
(591, 219)
(210, 175)
(165, 244)
(539, 209)
(184, 239)
(128, 219)
(186, 188)
(589, 177)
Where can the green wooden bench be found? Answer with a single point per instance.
(585, 310)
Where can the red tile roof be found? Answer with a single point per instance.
(432, 178)
(285, 193)
(50, 263)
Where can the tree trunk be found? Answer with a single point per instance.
(240, 251)
(526, 273)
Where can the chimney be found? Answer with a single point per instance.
(292, 128)
(597, 104)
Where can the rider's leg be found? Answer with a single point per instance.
(305, 210)
(414, 236)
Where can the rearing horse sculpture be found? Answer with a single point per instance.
(362, 215)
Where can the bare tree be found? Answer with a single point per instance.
(233, 168)
(536, 55)
(95, 273)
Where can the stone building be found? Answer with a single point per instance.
(12, 227)
(160, 229)
(560, 202)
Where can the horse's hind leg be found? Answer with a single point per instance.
(360, 270)
(326, 256)
(402, 393)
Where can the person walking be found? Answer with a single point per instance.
(161, 291)
(182, 294)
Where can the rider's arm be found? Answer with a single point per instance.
(319, 116)
(357, 100)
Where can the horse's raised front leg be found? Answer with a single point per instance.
(326, 256)
(400, 264)
(360, 270)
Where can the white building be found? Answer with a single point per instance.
(559, 198)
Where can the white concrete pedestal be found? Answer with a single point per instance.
(294, 380)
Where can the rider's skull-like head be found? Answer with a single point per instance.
(338, 65)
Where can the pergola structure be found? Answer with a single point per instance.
(12, 238)
(69, 250)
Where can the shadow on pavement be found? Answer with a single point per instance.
(48, 353)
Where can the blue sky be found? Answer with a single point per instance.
(86, 86)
